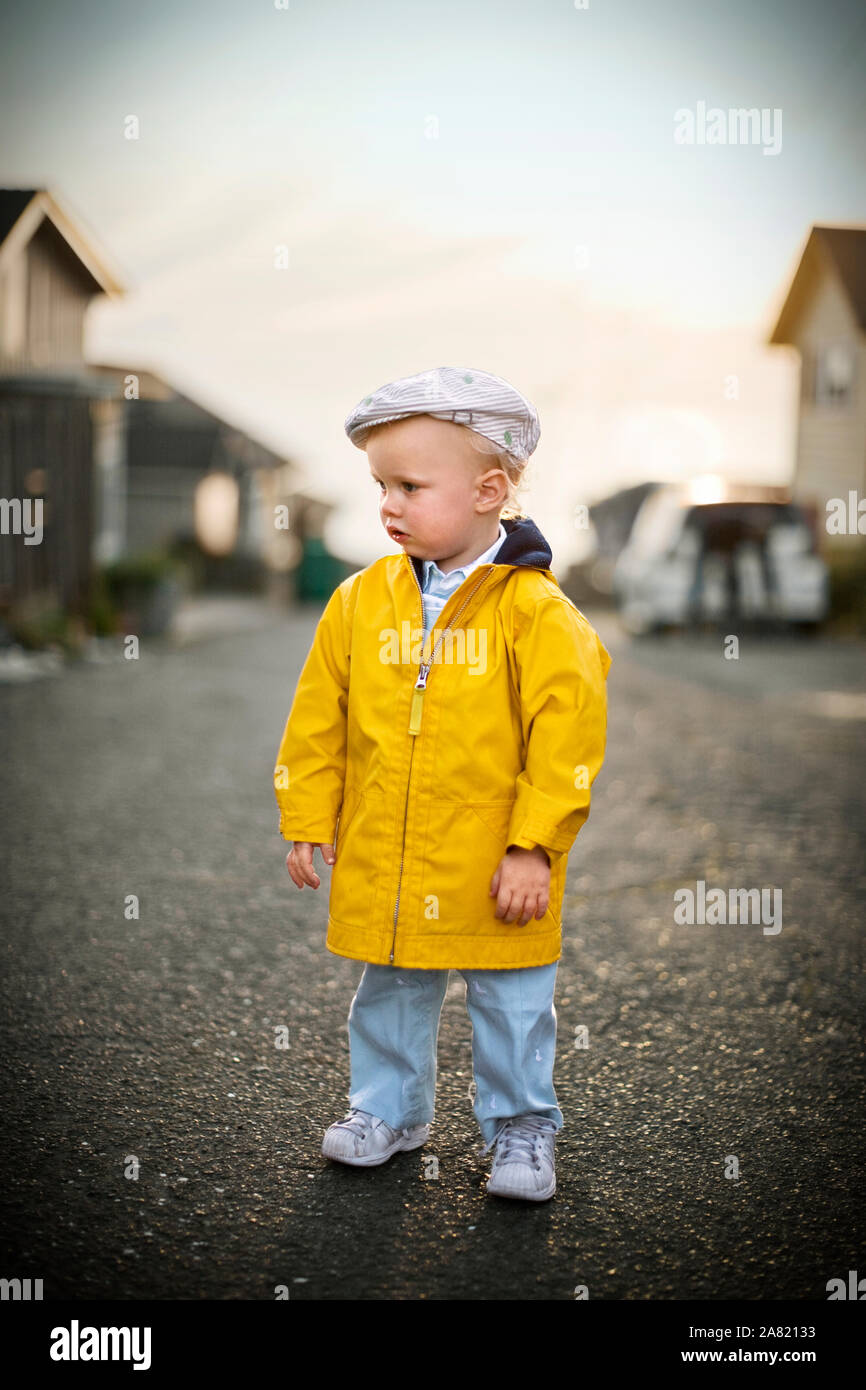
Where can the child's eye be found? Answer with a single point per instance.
(380, 484)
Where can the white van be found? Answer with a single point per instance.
(744, 552)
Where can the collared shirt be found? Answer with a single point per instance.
(437, 587)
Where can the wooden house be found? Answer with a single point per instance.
(172, 444)
(117, 456)
(823, 321)
(58, 418)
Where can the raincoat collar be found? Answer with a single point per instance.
(523, 545)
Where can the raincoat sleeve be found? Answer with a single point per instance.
(562, 669)
(310, 771)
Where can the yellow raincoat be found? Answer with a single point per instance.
(428, 772)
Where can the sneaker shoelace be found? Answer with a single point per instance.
(356, 1122)
(517, 1139)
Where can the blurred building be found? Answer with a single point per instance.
(121, 461)
(823, 318)
(156, 479)
(49, 438)
(318, 571)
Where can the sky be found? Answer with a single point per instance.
(490, 185)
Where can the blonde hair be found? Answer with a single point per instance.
(494, 456)
(500, 458)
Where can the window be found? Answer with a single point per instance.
(834, 373)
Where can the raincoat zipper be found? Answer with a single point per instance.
(415, 723)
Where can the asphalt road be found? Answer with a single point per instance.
(713, 1140)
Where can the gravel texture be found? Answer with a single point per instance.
(151, 1040)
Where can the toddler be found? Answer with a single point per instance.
(447, 727)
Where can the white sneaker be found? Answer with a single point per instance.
(523, 1164)
(364, 1140)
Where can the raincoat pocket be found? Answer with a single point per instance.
(496, 815)
(464, 843)
(351, 802)
(353, 877)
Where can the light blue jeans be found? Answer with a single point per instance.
(394, 1028)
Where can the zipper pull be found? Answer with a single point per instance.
(418, 700)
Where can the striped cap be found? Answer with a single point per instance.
(485, 403)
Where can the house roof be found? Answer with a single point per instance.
(843, 248)
(188, 431)
(22, 211)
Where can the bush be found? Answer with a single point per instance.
(847, 566)
(103, 615)
(38, 622)
(137, 593)
(139, 572)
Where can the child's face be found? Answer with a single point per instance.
(436, 498)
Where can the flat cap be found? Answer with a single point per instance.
(464, 395)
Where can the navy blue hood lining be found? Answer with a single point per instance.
(523, 545)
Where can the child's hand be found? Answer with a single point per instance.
(299, 862)
(521, 884)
